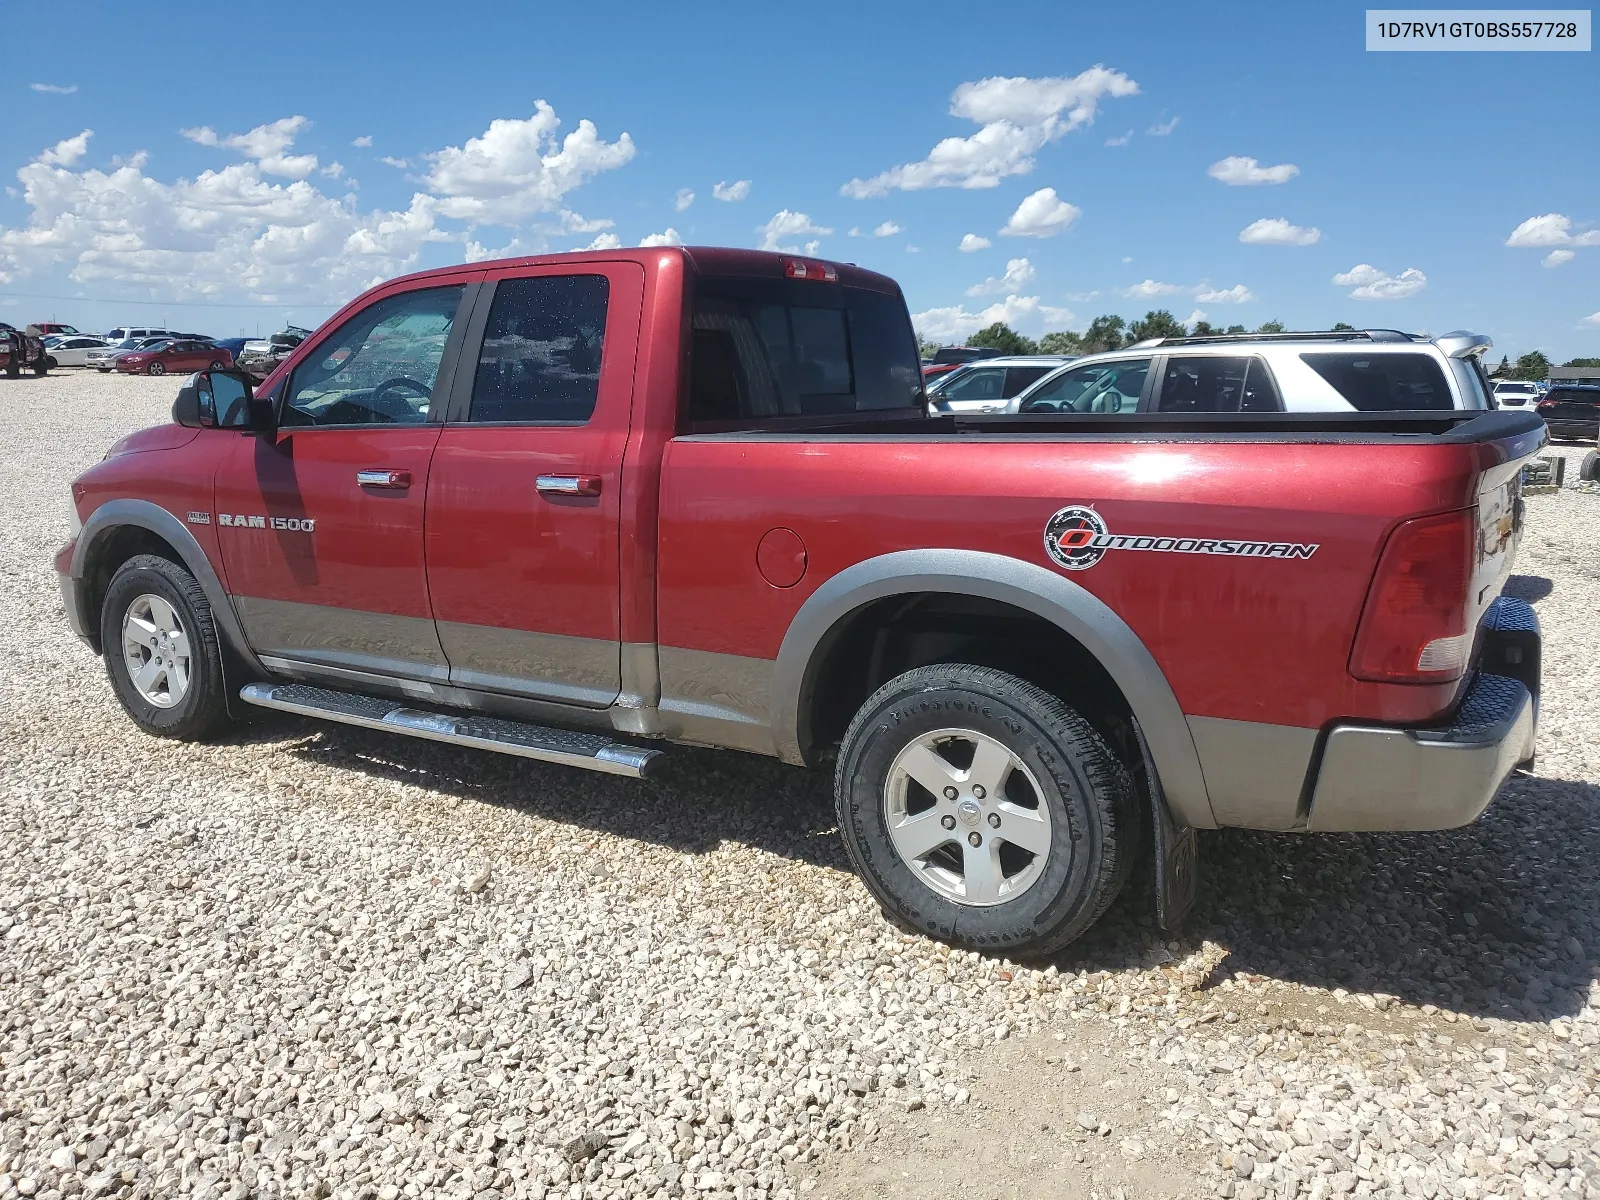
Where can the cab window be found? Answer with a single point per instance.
(1104, 388)
(379, 367)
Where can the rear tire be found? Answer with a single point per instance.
(218, 366)
(1054, 786)
(156, 368)
(1589, 468)
(161, 650)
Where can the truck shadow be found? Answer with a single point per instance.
(1498, 919)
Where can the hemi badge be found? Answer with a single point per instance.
(199, 518)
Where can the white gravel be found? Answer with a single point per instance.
(317, 961)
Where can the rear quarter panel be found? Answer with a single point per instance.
(1244, 638)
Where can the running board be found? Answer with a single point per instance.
(587, 750)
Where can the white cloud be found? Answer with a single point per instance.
(1552, 229)
(1238, 171)
(67, 151)
(1369, 283)
(1017, 116)
(516, 168)
(1127, 258)
(887, 229)
(1276, 231)
(913, 249)
(1150, 288)
(1019, 273)
(1237, 294)
(1592, 319)
(1082, 297)
(364, 141)
(1120, 141)
(1041, 215)
(55, 89)
(605, 241)
(1019, 312)
(1164, 128)
(334, 170)
(731, 192)
(971, 242)
(668, 237)
(399, 164)
(682, 200)
(1558, 258)
(789, 224)
(266, 145)
(1198, 314)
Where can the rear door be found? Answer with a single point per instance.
(525, 488)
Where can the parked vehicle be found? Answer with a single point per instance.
(1367, 370)
(23, 350)
(234, 346)
(986, 385)
(1516, 393)
(261, 356)
(568, 506)
(71, 350)
(179, 354)
(123, 333)
(105, 359)
(1572, 410)
(47, 328)
(948, 358)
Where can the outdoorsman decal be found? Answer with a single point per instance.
(1076, 538)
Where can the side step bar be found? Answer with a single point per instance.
(587, 750)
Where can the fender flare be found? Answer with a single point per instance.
(116, 514)
(1024, 585)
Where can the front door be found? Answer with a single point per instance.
(524, 494)
(321, 523)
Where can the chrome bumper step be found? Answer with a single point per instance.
(587, 750)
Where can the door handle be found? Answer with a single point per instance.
(569, 485)
(396, 480)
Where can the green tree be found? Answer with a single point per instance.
(1204, 329)
(1157, 323)
(1063, 341)
(1504, 368)
(1341, 327)
(1003, 338)
(1532, 365)
(1272, 326)
(1104, 333)
(1237, 329)
(1582, 362)
(926, 348)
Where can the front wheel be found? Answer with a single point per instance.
(219, 365)
(156, 368)
(981, 810)
(161, 649)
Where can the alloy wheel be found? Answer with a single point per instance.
(155, 647)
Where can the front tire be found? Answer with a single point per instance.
(981, 810)
(218, 366)
(1589, 468)
(161, 650)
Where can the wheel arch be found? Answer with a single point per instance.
(120, 529)
(858, 594)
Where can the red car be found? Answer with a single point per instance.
(575, 508)
(176, 355)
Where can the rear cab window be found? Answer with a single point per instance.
(768, 351)
(1384, 382)
(1217, 383)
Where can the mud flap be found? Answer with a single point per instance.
(1177, 865)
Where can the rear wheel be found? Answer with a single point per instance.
(981, 810)
(218, 365)
(161, 649)
(156, 368)
(1589, 468)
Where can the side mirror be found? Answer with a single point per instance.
(221, 400)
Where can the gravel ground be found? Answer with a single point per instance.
(312, 961)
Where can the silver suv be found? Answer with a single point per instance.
(1365, 370)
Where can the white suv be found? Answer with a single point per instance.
(1369, 370)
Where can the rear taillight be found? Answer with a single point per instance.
(1546, 405)
(1414, 628)
(800, 268)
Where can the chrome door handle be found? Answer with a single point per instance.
(569, 485)
(396, 480)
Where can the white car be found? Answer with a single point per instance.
(1516, 393)
(71, 351)
(1364, 370)
(986, 384)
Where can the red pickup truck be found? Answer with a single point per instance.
(575, 506)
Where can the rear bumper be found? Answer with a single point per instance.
(1373, 778)
(1573, 429)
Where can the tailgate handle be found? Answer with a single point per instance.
(569, 485)
(396, 480)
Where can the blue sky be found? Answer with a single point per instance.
(1403, 175)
